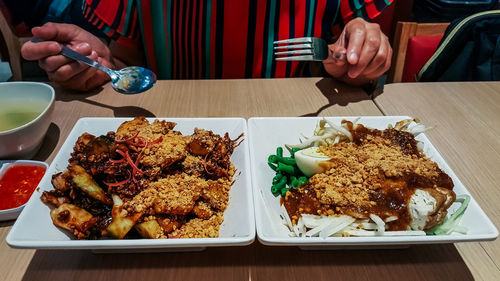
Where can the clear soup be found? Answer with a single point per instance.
(17, 113)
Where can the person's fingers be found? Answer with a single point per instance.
(36, 51)
(355, 34)
(60, 32)
(80, 80)
(381, 69)
(86, 80)
(379, 58)
(51, 63)
(70, 70)
(369, 50)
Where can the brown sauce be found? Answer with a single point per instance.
(391, 198)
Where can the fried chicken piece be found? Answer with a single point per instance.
(193, 165)
(169, 224)
(74, 219)
(175, 194)
(130, 128)
(60, 181)
(202, 210)
(217, 193)
(50, 197)
(161, 155)
(141, 127)
(202, 142)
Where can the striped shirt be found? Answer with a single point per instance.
(202, 39)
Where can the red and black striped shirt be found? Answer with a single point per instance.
(198, 39)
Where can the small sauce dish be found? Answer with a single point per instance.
(18, 180)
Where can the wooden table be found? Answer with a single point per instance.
(246, 98)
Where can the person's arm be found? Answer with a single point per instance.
(361, 54)
(65, 71)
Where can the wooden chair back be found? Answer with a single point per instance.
(404, 31)
(13, 44)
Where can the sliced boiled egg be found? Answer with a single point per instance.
(309, 159)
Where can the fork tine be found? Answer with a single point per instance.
(297, 52)
(299, 46)
(295, 40)
(306, 58)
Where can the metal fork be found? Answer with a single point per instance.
(301, 49)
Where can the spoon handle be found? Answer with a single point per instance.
(65, 51)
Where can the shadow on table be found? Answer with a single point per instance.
(118, 111)
(254, 262)
(334, 93)
(49, 143)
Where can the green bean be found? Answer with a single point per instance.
(279, 151)
(302, 180)
(275, 190)
(277, 178)
(283, 191)
(288, 160)
(293, 151)
(285, 160)
(283, 181)
(289, 169)
(273, 159)
(274, 167)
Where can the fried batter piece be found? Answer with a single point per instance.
(216, 150)
(141, 127)
(175, 194)
(217, 193)
(202, 210)
(74, 219)
(161, 155)
(199, 228)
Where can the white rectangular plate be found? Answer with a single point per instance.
(34, 228)
(268, 133)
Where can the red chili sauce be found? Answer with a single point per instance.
(17, 184)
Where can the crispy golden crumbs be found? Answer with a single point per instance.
(147, 131)
(170, 149)
(203, 210)
(130, 128)
(193, 165)
(198, 228)
(355, 172)
(217, 193)
(175, 194)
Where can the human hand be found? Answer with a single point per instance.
(362, 53)
(65, 71)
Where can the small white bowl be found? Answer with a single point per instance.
(24, 141)
(11, 214)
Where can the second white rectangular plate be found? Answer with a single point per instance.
(268, 133)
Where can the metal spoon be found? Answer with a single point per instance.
(128, 80)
